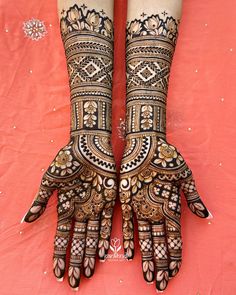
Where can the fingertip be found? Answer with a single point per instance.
(129, 254)
(210, 216)
(103, 251)
(89, 271)
(23, 218)
(29, 217)
(60, 279)
(162, 279)
(75, 289)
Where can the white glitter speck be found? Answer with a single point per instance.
(21, 232)
(220, 164)
(6, 30)
(14, 127)
(51, 140)
(189, 129)
(30, 71)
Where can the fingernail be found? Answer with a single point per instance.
(60, 279)
(149, 283)
(158, 291)
(102, 260)
(23, 219)
(210, 215)
(75, 289)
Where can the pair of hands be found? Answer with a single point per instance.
(153, 173)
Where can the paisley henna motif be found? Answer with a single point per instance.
(83, 172)
(153, 172)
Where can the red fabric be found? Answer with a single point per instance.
(34, 81)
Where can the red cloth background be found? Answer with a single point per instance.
(34, 125)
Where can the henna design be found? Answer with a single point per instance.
(83, 172)
(145, 241)
(90, 67)
(153, 172)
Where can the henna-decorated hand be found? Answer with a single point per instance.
(83, 173)
(153, 173)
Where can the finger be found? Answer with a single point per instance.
(127, 218)
(174, 244)
(77, 254)
(91, 247)
(160, 255)
(60, 245)
(193, 199)
(145, 242)
(40, 202)
(128, 230)
(105, 230)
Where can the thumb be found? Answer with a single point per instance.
(193, 199)
(40, 201)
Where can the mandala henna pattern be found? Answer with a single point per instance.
(153, 172)
(83, 172)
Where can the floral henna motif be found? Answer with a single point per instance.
(79, 19)
(83, 172)
(154, 25)
(153, 172)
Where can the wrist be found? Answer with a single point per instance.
(91, 114)
(146, 117)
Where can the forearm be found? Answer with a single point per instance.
(87, 35)
(152, 32)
